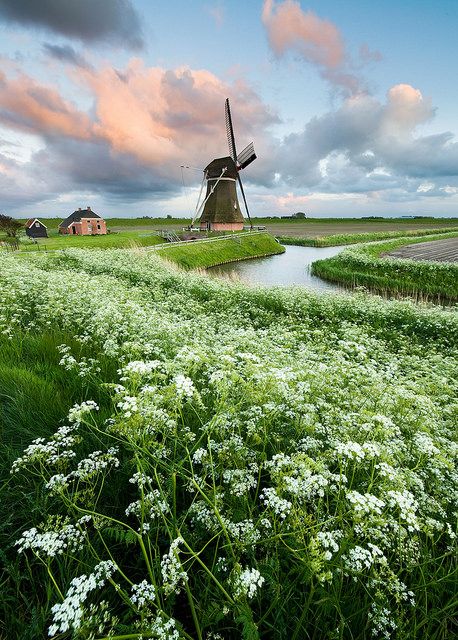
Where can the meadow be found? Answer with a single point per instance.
(366, 266)
(121, 239)
(282, 226)
(188, 458)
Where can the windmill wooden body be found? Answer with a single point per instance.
(220, 209)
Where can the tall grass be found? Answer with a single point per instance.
(365, 266)
(35, 393)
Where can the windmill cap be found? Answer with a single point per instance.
(213, 170)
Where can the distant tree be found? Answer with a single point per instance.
(300, 214)
(169, 217)
(10, 226)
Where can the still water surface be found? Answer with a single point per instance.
(289, 268)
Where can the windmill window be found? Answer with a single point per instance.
(98, 226)
(37, 224)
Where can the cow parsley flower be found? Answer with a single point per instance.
(173, 574)
(246, 583)
(68, 615)
(184, 386)
(142, 593)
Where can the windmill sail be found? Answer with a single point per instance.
(230, 133)
(246, 156)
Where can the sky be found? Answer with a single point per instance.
(351, 105)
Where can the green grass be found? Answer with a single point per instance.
(35, 394)
(200, 255)
(335, 240)
(364, 266)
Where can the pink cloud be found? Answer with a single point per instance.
(170, 116)
(315, 40)
(160, 117)
(288, 27)
(406, 109)
(31, 107)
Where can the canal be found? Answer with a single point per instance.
(290, 268)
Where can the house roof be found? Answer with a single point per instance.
(30, 222)
(78, 215)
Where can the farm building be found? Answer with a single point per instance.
(36, 229)
(83, 222)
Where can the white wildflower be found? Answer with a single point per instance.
(173, 574)
(246, 583)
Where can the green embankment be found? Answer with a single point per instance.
(365, 266)
(353, 238)
(123, 239)
(208, 253)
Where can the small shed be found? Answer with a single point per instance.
(36, 229)
(83, 222)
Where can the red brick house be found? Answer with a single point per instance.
(83, 222)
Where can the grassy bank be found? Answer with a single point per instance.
(364, 266)
(208, 253)
(335, 240)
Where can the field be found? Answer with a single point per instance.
(109, 241)
(221, 462)
(366, 266)
(311, 227)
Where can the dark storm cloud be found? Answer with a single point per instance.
(88, 20)
(74, 167)
(84, 165)
(66, 53)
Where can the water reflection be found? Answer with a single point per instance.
(289, 268)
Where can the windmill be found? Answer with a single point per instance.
(220, 209)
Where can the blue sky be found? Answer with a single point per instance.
(351, 105)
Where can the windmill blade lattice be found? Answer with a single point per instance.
(230, 132)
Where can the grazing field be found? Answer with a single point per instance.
(208, 253)
(214, 461)
(370, 266)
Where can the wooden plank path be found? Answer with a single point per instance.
(436, 250)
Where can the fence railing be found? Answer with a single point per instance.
(235, 236)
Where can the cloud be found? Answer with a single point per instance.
(114, 21)
(217, 11)
(26, 105)
(66, 53)
(143, 124)
(316, 41)
(368, 146)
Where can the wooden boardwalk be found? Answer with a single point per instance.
(437, 250)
